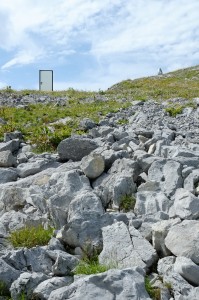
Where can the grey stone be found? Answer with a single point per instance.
(12, 146)
(62, 189)
(64, 263)
(183, 240)
(7, 159)
(75, 148)
(8, 136)
(185, 206)
(150, 203)
(187, 269)
(44, 289)
(123, 247)
(111, 188)
(85, 202)
(159, 232)
(12, 198)
(8, 274)
(79, 232)
(113, 284)
(93, 165)
(192, 181)
(7, 175)
(25, 284)
(126, 165)
(168, 173)
(87, 124)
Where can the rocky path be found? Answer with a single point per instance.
(152, 158)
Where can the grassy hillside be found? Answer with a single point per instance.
(35, 120)
(182, 83)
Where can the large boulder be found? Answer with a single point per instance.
(183, 240)
(149, 203)
(63, 188)
(25, 284)
(113, 284)
(185, 206)
(8, 273)
(75, 148)
(159, 232)
(168, 173)
(112, 187)
(123, 247)
(187, 269)
(44, 289)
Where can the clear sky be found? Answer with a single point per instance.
(93, 44)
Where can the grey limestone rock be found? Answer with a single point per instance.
(168, 173)
(183, 240)
(159, 232)
(25, 284)
(7, 175)
(187, 269)
(7, 159)
(93, 165)
(123, 247)
(44, 289)
(64, 263)
(185, 206)
(113, 284)
(112, 187)
(149, 203)
(12, 198)
(84, 202)
(75, 148)
(8, 273)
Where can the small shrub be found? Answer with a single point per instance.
(127, 203)
(123, 121)
(154, 292)
(174, 111)
(31, 236)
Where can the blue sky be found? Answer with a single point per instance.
(93, 44)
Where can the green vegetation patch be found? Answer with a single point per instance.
(154, 292)
(30, 236)
(91, 267)
(182, 83)
(41, 125)
(127, 203)
(4, 291)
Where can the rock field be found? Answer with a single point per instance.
(152, 158)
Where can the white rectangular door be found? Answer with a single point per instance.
(45, 80)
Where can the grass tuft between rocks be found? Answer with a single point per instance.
(30, 236)
(127, 203)
(154, 292)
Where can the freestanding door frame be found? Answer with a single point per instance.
(48, 86)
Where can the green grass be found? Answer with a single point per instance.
(153, 292)
(35, 120)
(4, 291)
(181, 83)
(127, 203)
(30, 236)
(176, 109)
(90, 267)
